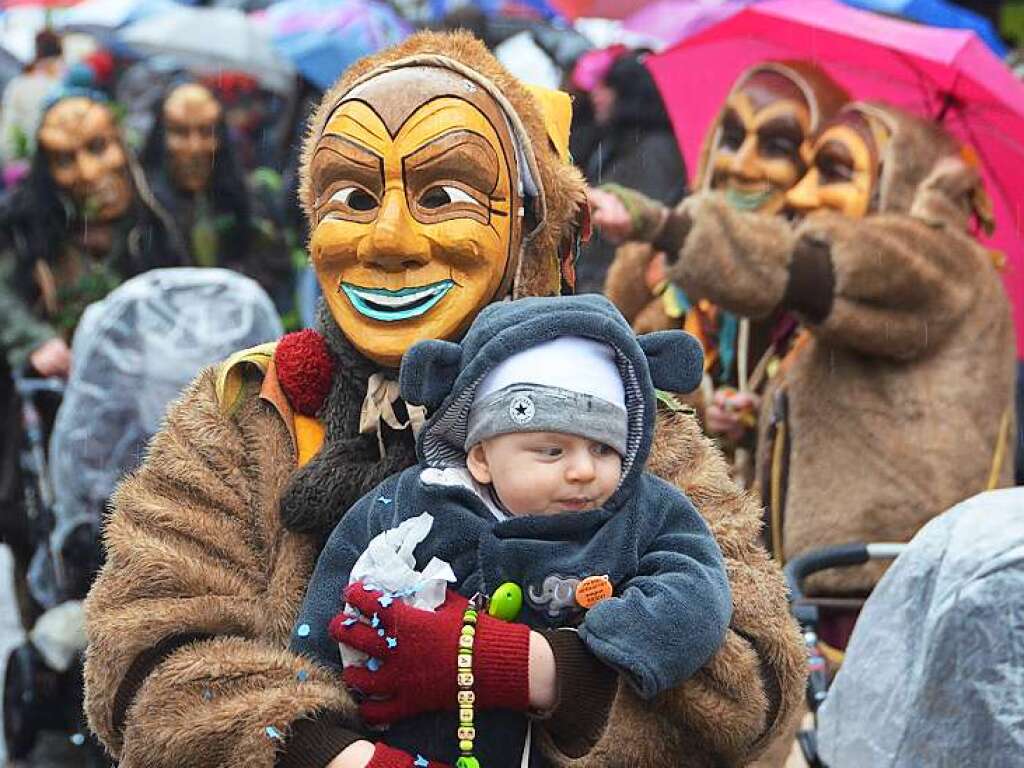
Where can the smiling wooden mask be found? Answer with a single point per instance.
(418, 208)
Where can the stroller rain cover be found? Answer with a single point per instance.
(934, 672)
(134, 352)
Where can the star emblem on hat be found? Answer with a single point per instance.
(521, 409)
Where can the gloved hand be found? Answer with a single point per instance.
(388, 757)
(413, 657)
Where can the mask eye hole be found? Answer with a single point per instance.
(440, 196)
(355, 198)
(733, 133)
(778, 146)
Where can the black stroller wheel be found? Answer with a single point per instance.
(21, 705)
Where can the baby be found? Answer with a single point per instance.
(532, 467)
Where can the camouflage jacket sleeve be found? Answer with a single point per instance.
(20, 331)
(189, 620)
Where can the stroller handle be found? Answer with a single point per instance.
(27, 387)
(854, 553)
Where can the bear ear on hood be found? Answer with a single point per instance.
(428, 372)
(675, 359)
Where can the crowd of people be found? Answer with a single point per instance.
(801, 343)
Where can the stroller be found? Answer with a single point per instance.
(933, 673)
(135, 351)
(822, 658)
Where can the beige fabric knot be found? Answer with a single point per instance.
(379, 405)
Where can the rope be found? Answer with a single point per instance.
(1000, 452)
(778, 450)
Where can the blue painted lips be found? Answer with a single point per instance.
(391, 306)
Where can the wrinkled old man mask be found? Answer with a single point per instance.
(86, 158)
(762, 143)
(844, 169)
(417, 209)
(190, 115)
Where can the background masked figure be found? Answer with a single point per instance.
(434, 183)
(190, 165)
(757, 148)
(898, 400)
(70, 233)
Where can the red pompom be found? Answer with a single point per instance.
(305, 370)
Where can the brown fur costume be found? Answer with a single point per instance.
(901, 395)
(203, 580)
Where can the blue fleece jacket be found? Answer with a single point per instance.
(671, 603)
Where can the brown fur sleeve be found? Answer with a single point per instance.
(625, 284)
(900, 284)
(750, 691)
(737, 260)
(195, 548)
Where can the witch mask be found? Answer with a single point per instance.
(190, 115)
(761, 148)
(418, 208)
(85, 156)
(845, 168)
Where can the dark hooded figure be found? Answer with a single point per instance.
(69, 234)
(635, 147)
(194, 174)
(196, 177)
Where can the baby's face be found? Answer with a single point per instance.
(546, 473)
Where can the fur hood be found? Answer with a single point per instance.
(539, 126)
(924, 172)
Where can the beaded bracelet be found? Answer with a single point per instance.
(466, 697)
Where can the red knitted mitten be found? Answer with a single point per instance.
(413, 664)
(388, 757)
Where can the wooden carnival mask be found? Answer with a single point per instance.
(86, 158)
(845, 167)
(190, 115)
(762, 143)
(418, 208)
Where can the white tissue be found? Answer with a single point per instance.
(388, 565)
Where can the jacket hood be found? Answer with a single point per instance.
(443, 376)
(539, 119)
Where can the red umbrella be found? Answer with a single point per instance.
(947, 75)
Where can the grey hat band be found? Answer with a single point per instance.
(540, 408)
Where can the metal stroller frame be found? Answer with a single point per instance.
(806, 610)
(35, 697)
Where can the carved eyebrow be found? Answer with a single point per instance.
(444, 153)
(786, 124)
(835, 151)
(337, 157)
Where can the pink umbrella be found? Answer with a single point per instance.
(675, 20)
(944, 74)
